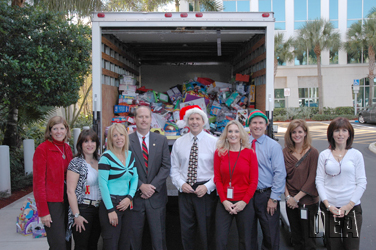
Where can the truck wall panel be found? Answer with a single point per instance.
(109, 100)
(260, 97)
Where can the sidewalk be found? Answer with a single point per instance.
(9, 239)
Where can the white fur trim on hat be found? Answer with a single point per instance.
(195, 111)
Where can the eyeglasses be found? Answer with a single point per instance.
(332, 175)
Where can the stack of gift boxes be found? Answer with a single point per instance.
(221, 101)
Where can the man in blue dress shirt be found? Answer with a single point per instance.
(271, 184)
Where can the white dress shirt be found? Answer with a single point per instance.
(146, 139)
(180, 158)
(349, 180)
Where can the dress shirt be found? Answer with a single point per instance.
(348, 185)
(147, 136)
(180, 159)
(271, 165)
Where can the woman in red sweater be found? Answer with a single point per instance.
(236, 177)
(50, 163)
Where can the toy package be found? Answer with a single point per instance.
(28, 220)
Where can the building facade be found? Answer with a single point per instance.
(339, 70)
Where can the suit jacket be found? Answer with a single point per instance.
(158, 170)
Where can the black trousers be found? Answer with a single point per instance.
(88, 239)
(343, 233)
(197, 215)
(156, 218)
(269, 224)
(56, 233)
(302, 230)
(115, 238)
(223, 222)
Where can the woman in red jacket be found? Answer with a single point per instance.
(50, 163)
(236, 177)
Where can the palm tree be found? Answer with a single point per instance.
(363, 37)
(372, 13)
(282, 51)
(318, 35)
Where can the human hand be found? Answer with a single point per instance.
(239, 206)
(46, 220)
(147, 189)
(291, 203)
(144, 196)
(229, 207)
(344, 210)
(124, 204)
(187, 188)
(79, 223)
(201, 191)
(113, 218)
(271, 207)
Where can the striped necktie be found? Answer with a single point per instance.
(145, 153)
(192, 168)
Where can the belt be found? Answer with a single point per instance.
(263, 190)
(91, 202)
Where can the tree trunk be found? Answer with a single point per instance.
(371, 75)
(317, 51)
(177, 3)
(196, 6)
(18, 3)
(11, 137)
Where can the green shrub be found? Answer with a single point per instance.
(83, 121)
(279, 118)
(17, 171)
(279, 112)
(323, 117)
(344, 110)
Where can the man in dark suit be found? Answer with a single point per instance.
(153, 167)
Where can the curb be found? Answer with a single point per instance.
(372, 147)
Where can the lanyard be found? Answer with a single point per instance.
(229, 165)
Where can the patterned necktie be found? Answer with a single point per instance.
(145, 153)
(254, 144)
(192, 169)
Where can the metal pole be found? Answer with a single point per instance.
(5, 170)
(29, 150)
(76, 133)
(355, 101)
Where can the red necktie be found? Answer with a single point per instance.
(145, 153)
(254, 144)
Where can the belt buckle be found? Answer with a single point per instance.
(86, 202)
(95, 203)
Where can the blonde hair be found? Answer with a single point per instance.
(121, 129)
(222, 144)
(289, 143)
(52, 122)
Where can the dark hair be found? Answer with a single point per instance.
(340, 122)
(289, 143)
(85, 135)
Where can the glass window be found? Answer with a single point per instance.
(278, 7)
(243, 6)
(333, 56)
(314, 9)
(308, 97)
(279, 98)
(358, 10)
(333, 13)
(305, 10)
(367, 6)
(229, 6)
(300, 10)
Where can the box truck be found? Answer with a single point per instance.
(162, 50)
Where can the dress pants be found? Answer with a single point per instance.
(223, 220)
(115, 238)
(56, 233)
(197, 215)
(302, 230)
(156, 218)
(88, 238)
(269, 224)
(343, 233)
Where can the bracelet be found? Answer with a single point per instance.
(295, 200)
(287, 197)
(328, 208)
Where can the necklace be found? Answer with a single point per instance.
(63, 154)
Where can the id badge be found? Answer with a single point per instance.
(230, 193)
(304, 213)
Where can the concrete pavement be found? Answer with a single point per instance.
(9, 239)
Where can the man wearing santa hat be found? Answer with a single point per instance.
(192, 173)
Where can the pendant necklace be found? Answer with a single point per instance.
(63, 154)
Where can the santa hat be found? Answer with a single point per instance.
(255, 113)
(187, 111)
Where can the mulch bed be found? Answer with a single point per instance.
(15, 196)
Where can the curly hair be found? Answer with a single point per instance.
(222, 144)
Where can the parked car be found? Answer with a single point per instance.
(368, 114)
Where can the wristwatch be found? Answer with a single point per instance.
(76, 215)
(274, 200)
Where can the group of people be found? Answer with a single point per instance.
(116, 194)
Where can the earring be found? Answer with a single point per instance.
(241, 141)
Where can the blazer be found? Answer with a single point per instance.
(158, 170)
